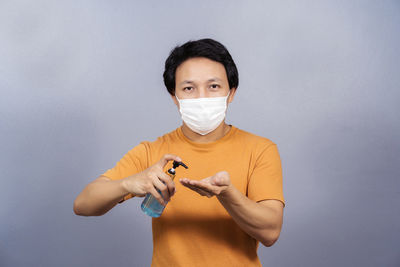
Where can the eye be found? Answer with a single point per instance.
(214, 86)
(188, 88)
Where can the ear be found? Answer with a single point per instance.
(232, 95)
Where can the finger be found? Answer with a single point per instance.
(157, 196)
(190, 184)
(213, 190)
(162, 187)
(198, 190)
(202, 185)
(167, 157)
(168, 182)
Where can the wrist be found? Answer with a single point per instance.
(227, 192)
(124, 185)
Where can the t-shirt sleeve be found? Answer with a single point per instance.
(131, 163)
(266, 179)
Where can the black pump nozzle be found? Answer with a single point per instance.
(176, 164)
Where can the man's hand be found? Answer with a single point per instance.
(153, 177)
(215, 185)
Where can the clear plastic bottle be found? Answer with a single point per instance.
(150, 204)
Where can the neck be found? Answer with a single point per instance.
(218, 133)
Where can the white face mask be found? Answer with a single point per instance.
(203, 115)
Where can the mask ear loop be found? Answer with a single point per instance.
(179, 101)
(229, 93)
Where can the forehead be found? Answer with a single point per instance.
(200, 68)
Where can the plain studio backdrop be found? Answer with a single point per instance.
(81, 85)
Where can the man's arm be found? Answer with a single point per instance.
(261, 220)
(98, 197)
(101, 195)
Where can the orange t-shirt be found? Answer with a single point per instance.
(195, 230)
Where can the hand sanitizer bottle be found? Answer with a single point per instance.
(150, 204)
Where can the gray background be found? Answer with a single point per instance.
(81, 84)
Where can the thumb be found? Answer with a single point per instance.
(221, 178)
(166, 158)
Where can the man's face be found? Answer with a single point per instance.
(201, 77)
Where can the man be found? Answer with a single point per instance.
(229, 199)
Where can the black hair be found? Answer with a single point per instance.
(207, 48)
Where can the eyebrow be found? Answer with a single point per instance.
(214, 79)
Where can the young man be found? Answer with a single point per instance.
(229, 199)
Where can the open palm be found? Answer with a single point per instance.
(210, 186)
